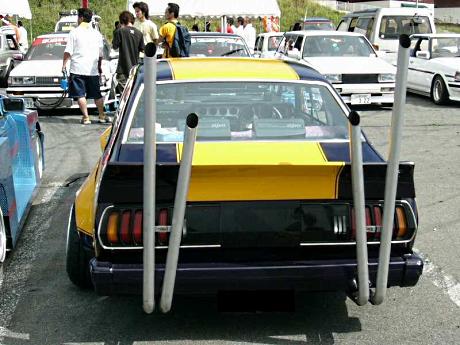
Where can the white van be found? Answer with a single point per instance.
(382, 26)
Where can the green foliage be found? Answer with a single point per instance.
(455, 28)
(45, 14)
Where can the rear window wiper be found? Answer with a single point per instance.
(232, 52)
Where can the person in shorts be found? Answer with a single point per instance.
(84, 50)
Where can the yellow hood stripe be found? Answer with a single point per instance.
(224, 69)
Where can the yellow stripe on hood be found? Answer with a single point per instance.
(224, 69)
(226, 171)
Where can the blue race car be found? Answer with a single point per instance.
(21, 168)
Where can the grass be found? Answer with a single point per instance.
(45, 14)
(455, 28)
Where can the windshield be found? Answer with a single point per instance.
(337, 46)
(274, 42)
(445, 47)
(242, 111)
(318, 26)
(47, 49)
(393, 26)
(66, 26)
(218, 46)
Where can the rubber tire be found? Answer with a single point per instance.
(443, 95)
(77, 256)
(2, 238)
(5, 75)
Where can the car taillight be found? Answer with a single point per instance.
(374, 222)
(125, 230)
(112, 228)
(137, 227)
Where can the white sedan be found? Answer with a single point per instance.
(38, 78)
(434, 67)
(347, 60)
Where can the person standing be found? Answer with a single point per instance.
(130, 42)
(84, 50)
(249, 34)
(239, 26)
(168, 30)
(23, 42)
(144, 24)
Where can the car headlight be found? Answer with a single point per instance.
(21, 80)
(386, 77)
(334, 78)
(457, 76)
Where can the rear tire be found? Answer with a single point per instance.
(439, 93)
(77, 256)
(2, 238)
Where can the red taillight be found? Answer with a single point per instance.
(163, 221)
(377, 220)
(125, 232)
(137, 227)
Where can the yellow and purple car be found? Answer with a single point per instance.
(270, 201)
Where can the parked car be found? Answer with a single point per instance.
(21, 168)
(270, 198)
(267, 43)
(68, 20)
(318, 23)
(217, 44)
(434, 67)
(383, 26)
(10, 54)
(38, 78)
(347, 60)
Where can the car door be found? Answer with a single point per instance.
(420, 75)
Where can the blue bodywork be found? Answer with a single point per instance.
(21, 142)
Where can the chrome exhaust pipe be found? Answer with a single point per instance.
(150, 96)
(180, 202)
(391, 182)
(357, 177)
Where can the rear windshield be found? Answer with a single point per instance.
(351, 46)
(241, 111)
(47, 49)
(218, 46)
(393, 26)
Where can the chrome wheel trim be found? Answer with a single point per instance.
(437, 90)
(2, 238)
(38, 148)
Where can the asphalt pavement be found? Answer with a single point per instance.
(39, 305)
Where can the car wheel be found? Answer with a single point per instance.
(77, 256)
(39, 151)
(2, 238)
(439, 93)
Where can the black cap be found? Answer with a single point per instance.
(192, 120)
(150, 49)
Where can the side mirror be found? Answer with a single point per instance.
(423, 54)
(18, 57)
(104, 138)
(294, 54)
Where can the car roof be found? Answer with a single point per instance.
(55, 34)
(442, 35)
(317, 19)
(324, 33)
(211, 34)
(8, 29)
(391, 10)
(228, 69)
(272, 33)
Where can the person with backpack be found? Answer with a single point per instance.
(175, 37)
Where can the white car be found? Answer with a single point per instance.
(68, 20)
(434, 67)
(38, 78)
(267, 43)
(347, 60)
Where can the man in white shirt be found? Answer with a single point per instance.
(249, 34)
(84, 50)
(239, 26)
(23, 43)
(144, 24)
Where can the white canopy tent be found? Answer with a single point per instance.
(214, 8)
(18, 8)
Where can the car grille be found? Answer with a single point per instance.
(360, 78)
(47, 81)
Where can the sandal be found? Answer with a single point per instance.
(85, 121)
(106, 119)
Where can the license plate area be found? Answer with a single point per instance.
(360, 98)
(29, 103)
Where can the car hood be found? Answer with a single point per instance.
(38, 68)
(350, 65)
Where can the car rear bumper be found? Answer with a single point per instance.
(325, 275)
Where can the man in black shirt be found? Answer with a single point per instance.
(130, 43)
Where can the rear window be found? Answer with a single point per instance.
(47, 49)
(274, 42)
(350, 46)
(393, 26)
(243, 111)
(218, 46)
